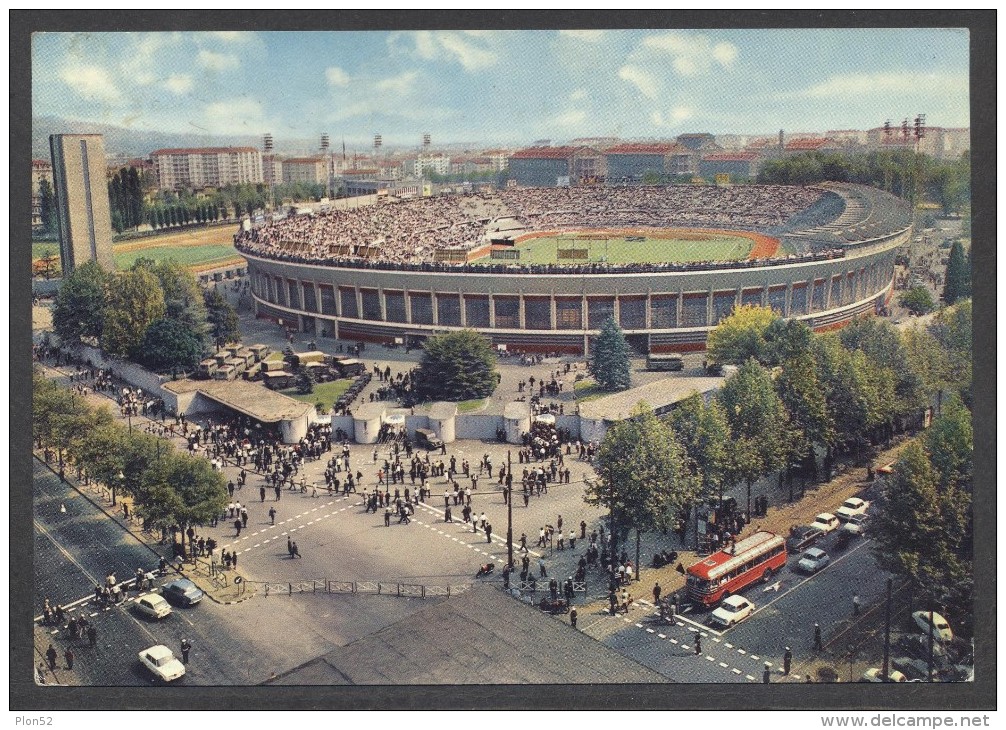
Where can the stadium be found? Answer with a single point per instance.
(541, 269)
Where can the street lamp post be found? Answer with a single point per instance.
(509, 511)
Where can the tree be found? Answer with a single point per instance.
(135, 300)
(758, 423)
(917, 300)
(169, 345)
(958, 278)
(924, 533)
(952, 329)
(304, 380)
(223, 320)
(643, 479)
(950, 442)
(609, 362)
(786, 339)
(457, 366)
(47, 206)
(741, 336)
(79, 311)
(802, 394)
(884, 346)
(183, 298)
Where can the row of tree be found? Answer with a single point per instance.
(795, 392)
(945, 182)
(169, 488)
(154, 313)
(126, 199)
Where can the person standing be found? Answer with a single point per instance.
(68, 656)
(289, 546)
(50, 655)
(787, 660)
(583, 528)
(447, 515)
(818, 645)
(656, 593)
(489, 532)
(92, 635)
(766, 676)
(855, 605)
(572, 617)
(186, 648)
(698, 644)
(237, 527)
(541, 567)
(261, 493)
(272, 515)
(387, 516)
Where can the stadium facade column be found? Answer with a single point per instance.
(616, 310)
(461, 308)
(551, 301)
(520, 309)
(679, 307)
(381, 302)
(787, 304)
(359, 302)
(407, 299)
(648, 318)
(435, 306)
(710, 310)
(492, 311)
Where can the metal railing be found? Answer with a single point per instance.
(408, 590)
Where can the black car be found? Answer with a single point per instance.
(182, 592)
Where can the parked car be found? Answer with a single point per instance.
(153, 605)
(733, 610)
(182, 592)
(162, 663)
(428, 439)
(801, 538)
(851, 507)
(856, 525)
(826, 522)
(940, 628)
(813, 560)
(877, 675)
(917, 645)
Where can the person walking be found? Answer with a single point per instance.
(289, 546)
(541, 567)
(818, 645)
(489, 532)
(572, 617)
(296, 550)
(261, 493)
(787, 661)
(272, 515)
(656, 593)
(92, 635)
(50, 655)
(68, 656)
(698, 644)
(244, 517)
(237, 527)
(583, 529)
(447, 515)
(387, 516)
(855, 605)
(186, 648)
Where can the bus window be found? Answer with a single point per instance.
(667, 361)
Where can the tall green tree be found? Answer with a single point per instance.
(952, 329)
(223, 320)
(135, 300)
(169, 345)
(183, 297)
(609, 359)
(950, 442)
(917, 300)
(704, 432)
(643, 478)
(79, 311)
(957, 284)
(47, 207)
(885, 348)
(803, 396)
(457, 366)
(742, 336)
(183, 491)
(758, 421)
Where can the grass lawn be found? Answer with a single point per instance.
(619, 250)
(587, 390)
(41, 249)
(325, 393)
(470, 406)
(186, 255)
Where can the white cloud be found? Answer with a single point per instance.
(234, 116)
(217, 61)
(692, 54)
(469, 48)
(672, 118)
(646, 82)
(569, 118)
(232, 36)
(90, 82)
(336, 76)
(887, 83)
(589, 36)
(578, 95)
(179, 83)
(400, 84)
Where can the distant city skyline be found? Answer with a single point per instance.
(510, 87)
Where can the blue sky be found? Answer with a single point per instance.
(503, 86)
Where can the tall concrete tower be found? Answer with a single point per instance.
(81, 184)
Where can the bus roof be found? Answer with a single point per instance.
(726, 560)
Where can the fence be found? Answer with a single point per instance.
(407, 590)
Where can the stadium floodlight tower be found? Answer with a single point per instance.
(267, 159)
(327, 156)
(426, 141)
(378, 141)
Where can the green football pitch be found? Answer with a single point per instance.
(185, 255)
(642, 248)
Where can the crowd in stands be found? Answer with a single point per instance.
(407, 235)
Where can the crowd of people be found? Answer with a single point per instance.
(407, 235)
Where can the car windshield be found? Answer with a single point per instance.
(734, 607)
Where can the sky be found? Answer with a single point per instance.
(510, 87)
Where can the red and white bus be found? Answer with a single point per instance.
(754, 558)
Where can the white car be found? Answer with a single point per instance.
(941, 629)
(813, 560)
(850, 508)
(153, 605)
(877, 675)
(162, 663)
(733, 610)
(826, 522)
(856, 525)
